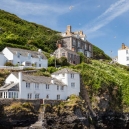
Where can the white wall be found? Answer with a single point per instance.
(2, 60)
(7, 54)
(42, 91)
(11, 78)
(21, 59)
(122, 57)
(68, 80)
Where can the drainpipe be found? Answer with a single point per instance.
(20, 83)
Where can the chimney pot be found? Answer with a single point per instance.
(123, 46)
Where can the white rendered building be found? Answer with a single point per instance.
(62, 84)
(123, 55)
(24, 57)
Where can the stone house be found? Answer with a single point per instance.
(73, 42)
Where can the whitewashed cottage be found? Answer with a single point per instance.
(123, 55)
(24, 57)
(60, 85)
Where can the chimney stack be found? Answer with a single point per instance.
(81, 32)
(73, 49)
(59, 45)
(68, 28)
(123, 46)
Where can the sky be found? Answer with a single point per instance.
(105, 22)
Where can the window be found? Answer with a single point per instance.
(63, 75)
(36, 96)
(79, 44)
(47, 86)
(127, 58)
(18, 55)
(63, 54)
(29, 96)
(57, 87)
(39, 65)
(58, 97)
(27, 85)
(85, 46)
(74, 42)
(62, 88)
(72, 75)
(36, 86)
(73, 85)
(47, 96)
(126, 51)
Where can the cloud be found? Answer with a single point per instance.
(71, 7)
(29, 8)
(110, 14)
(98, 6)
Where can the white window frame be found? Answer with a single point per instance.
(29, 96)
(27, 85)
(36, 85)
(63, 54)
(57, 87)
(58, 97)
(62, 88)
(72, 75)
(127, 58)
(47, 86)
(73, 84)
(47, 96)
(36, 96)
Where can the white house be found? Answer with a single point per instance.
(123, 55)
(25, 57)
(60, 85)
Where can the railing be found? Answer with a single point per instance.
(18, 67)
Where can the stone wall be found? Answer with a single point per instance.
(7, 102)
(52, 102)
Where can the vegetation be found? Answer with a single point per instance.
(3, 74)
(16, 32)
(99, 54)
(101, 76)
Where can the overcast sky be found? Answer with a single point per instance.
(105, 22)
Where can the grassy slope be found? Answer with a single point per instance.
(16, 32)
(100, 76)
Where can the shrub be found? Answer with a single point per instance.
(8, 64)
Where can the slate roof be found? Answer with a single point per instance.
(65, 70)
(39, 79)
(10, 87)
(24, 52)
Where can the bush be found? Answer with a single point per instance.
(8, 64)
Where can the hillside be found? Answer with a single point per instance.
(15, 32)
(105, 83)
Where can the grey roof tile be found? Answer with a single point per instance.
(24, 52)
(10, 86)
(39, 79)
(65, 70)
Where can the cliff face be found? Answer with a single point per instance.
(17, 114)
